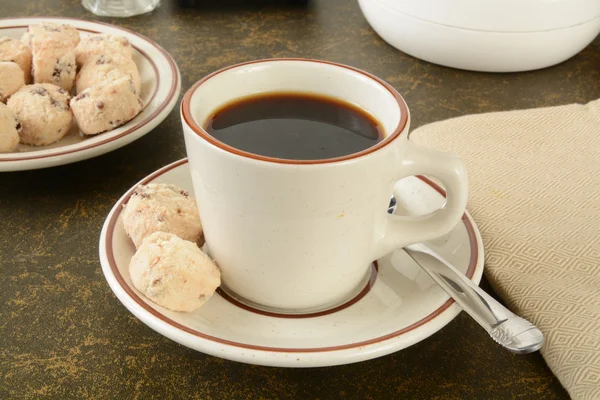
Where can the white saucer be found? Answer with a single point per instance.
(161, 84)
(400, 307)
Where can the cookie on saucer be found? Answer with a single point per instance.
(173, 273)
(160, 207)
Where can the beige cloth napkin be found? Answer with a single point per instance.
(534, 178)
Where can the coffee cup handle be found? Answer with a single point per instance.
(402, 231)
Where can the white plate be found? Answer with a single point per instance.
(161, 83)
(399, 307)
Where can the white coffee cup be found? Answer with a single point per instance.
(300, 236)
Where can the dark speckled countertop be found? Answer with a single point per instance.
(63, 334)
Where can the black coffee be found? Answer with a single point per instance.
(294, 126)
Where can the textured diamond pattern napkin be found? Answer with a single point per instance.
(534, 179)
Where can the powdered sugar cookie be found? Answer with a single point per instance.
(103, 68)
(18, 52)
(173, 273)
(161, 207)
(53, 31)
(53, 53)
(106, 106)
(43, 111)
(102, 44)
(9, 130)
(11, 79)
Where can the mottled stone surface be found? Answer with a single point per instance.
(63, 334)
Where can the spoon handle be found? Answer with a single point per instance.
(514, 333)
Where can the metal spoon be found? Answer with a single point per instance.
(514, 333)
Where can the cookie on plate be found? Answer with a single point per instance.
(18, 52)
(9, 130)
(173, 273)
(159, 207)
(56, 32)
(102, 44)
(53, 53)
(43, 111)
(11, 79)
(106, 106)
(104, 68)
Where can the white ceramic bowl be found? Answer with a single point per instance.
(490, 36)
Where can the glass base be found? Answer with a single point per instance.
(120, 8)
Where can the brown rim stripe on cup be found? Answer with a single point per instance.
(373, 276)
(140, 124)
(200, 131)
(108, 248)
